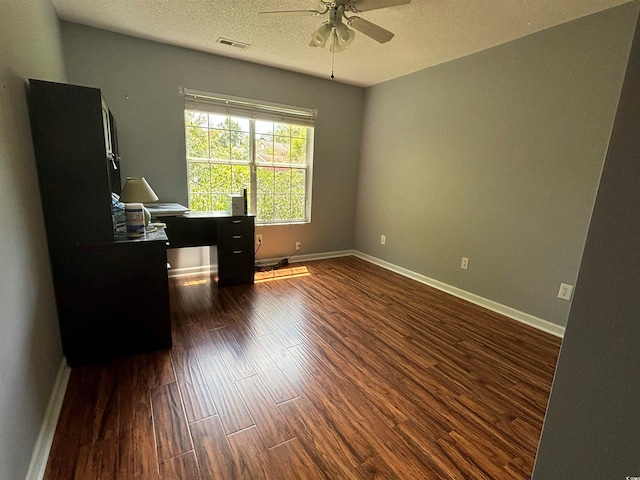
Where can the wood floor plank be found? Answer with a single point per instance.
(195, 394)
(104, 412)
(69, 432)
(337, 401)
(212, 450)
(337, 357)
(290, 334)
(290, 461)
(405, 460)
(137, 447)
(180, 334)
(423, 449)
(227, 346)
(468, 420)
(277, 351)
(146, 370)
(279, 387)
(470, 466)
(171, 426)
(231, 408)
(348, 371)
(200, 340)
(182, 467)
(98, 460)
(488, 461)
(248, 451)
(138, 453)
(268, 419)
(324, 445)
(377, 469)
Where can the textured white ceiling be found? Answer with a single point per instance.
(427, 32)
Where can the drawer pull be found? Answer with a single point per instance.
(236, 221)
(237, 252)
(235, 237)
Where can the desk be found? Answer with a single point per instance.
(234, 237)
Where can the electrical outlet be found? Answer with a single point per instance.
(566, 292)
(464, 264)
(259, 239)
(383, 239)
(298, 246)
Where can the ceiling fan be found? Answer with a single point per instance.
(339, 32)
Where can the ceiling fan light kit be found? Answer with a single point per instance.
(338, 33)
(341, 37)
(341, 33)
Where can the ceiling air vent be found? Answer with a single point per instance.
(232, 43)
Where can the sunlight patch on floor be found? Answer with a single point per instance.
(281, 274)
(190, 283)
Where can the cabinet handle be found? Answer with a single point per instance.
(237, 252)
(237, 237)
(236, 221)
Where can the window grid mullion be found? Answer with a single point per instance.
(253, 169)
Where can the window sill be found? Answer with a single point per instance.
(282, 223)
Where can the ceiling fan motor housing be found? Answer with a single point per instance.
(335, 15)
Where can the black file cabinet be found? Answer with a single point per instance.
(235, 251)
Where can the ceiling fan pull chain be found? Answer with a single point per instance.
(333, 55)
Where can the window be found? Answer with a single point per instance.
(235, 144)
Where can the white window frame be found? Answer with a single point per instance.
(207, 102)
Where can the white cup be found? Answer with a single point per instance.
(135, 219)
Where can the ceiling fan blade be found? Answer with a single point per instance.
(372, 30)
(366, 5)
(291, 13)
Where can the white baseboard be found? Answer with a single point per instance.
(208, 269)
(42, 448)
(512, 313)
(199, 270)
(309, 257)
(509, 312)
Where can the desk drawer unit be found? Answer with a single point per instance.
(236, 261)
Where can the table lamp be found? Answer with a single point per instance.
(137, 190)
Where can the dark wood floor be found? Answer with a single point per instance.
(344, 371)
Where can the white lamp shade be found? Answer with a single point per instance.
(319, 37)
(335, 44)
(136, 189)
(344, 35)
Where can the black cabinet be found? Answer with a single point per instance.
(112, 299)
(111, 292)
(236, 259)
(74, 147)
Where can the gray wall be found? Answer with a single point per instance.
(30, 350)
(495, 157)
(592, 427)
(141, 80)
